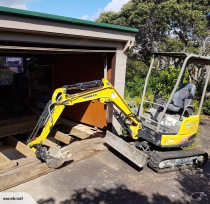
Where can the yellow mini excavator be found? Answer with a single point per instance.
(155, 137)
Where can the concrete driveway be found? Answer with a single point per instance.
(110, 178)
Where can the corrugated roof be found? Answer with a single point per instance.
(39, 15)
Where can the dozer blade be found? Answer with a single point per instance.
(131, 152)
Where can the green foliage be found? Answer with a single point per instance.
(164, 25)
(134, 88)
(107, 17)
(169, 25)
(166, 79)
(139, 98)
(206, 107)
(135, 78)
(196, 104)
(173, 45)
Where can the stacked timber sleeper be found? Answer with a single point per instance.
(17, 160)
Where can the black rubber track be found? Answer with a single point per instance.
(157, 157)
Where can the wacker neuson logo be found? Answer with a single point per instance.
(92, 95)
(16, 198)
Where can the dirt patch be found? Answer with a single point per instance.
(203, 137)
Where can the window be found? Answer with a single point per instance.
(8, 67)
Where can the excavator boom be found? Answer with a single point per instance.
(100, 90)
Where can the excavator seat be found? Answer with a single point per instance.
(182, 98)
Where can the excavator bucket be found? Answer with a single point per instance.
(54, 156)
(129, 151)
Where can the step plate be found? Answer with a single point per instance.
(131, 152)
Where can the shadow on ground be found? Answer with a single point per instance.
(121, 194)
(194, 185)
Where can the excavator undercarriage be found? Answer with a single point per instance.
(167, 161)
(161, 161)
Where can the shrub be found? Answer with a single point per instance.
(206, 107)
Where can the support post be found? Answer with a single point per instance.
(204, 89)
(118, 78)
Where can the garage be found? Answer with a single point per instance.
(38, 54)
(41, 52)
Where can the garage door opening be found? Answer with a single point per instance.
(24, 83)
(27, 83)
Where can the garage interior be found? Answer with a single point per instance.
(28, 83)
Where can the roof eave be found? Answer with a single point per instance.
(39, 15)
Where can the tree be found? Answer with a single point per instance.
(169, 25)
(164, 25)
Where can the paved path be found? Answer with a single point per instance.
(107, 178)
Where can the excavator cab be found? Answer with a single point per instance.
(173, 122)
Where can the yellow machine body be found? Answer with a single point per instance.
(106, 93)
(186, 134)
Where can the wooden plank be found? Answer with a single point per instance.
(13, 129)
(79, 130)
(207, 117)
(19, 146)
(49, 143)
(66, 139)
(80, 150)
(86, 148)
(21, 163)
(83, 144)
(74, 131)
(6, 163)
(3, 158)
(23, 175)
(88, 152)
